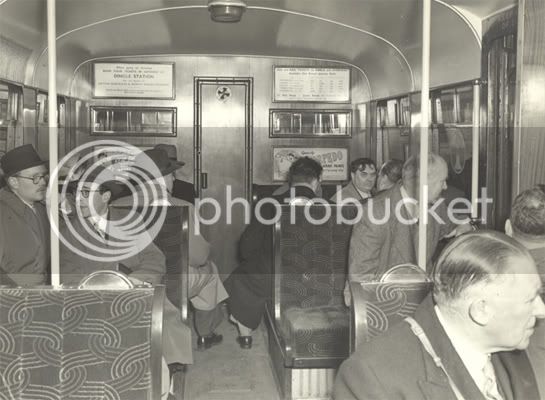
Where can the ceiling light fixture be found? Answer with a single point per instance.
(226, 10)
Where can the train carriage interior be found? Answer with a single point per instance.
(240, 89)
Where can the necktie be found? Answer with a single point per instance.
(490, 387)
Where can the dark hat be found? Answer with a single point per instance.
(159, 159)
(102, 176)
(171, 151)
(19, 159)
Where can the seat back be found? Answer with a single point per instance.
(172, 238)
(376, 306)
(310, 266)
(405, 273)
(81, 343)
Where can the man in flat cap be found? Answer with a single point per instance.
(24, 227)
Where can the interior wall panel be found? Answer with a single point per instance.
(529, 167)
(261, 69)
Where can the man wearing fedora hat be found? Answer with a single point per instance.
(24, 227)
(180, 189)
(206, 290)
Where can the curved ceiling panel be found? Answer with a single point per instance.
(381, 37)
(260, 32)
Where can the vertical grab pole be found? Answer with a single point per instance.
(53, 140)
(476, 145)
(424, 135)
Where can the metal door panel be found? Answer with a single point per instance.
(223, 164)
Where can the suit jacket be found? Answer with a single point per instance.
(536, 349)
(374, 247)
(24, 241)
(184, 190)
(396, 366)
(148, 264)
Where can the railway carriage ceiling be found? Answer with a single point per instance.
(381, 37)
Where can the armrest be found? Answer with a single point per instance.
(159, 295)
(358, 317)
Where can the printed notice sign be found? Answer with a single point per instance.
(333, 160)
(132, 80)
(312, 84)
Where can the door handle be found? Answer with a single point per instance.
(204, 180)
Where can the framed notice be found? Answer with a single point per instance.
(304, 84)
(133, 80)
(334, 161)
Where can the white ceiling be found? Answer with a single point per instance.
(381, 37)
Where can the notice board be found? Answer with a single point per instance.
(305, 84)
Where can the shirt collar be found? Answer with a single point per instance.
(30, 205)
(363, 195)
(99, 221)
(473, 358)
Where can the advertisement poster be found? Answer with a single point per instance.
(134, 80)
(334, 161)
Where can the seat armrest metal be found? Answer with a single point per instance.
(359, 329)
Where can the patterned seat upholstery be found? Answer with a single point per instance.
(172, 238)
(80, 344)
(310, 272)
(376, 306)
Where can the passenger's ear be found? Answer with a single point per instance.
(508, 228)
(479, 312)
(13, 182)
(106, 196)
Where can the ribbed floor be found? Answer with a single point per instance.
(227, 372)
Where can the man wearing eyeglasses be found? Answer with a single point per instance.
(24, 227)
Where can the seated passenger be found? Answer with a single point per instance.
(389, 174)
(86, 246)
(206, 291)
(363, 175)
(461, 342)
(250, 284)
(180, 189)
(24, 226)
(387, 233)
(527, 226)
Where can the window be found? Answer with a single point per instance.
(296, 123)
(453, 106)
(133, 121)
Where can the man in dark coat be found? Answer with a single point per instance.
(181, 189)
(527, 225)
(24, 226)
(250, 285)
(477, 323)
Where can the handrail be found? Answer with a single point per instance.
(184, 264)
(159, 296)
(358, 317)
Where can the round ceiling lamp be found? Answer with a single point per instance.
(226, 10)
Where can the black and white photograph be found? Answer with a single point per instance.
(272, 199)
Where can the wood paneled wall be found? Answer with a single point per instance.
(529, 164)
(261, 69)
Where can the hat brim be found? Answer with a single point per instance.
(174, 165)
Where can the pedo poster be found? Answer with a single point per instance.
(334, 161)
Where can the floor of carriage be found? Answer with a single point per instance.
(227, 372)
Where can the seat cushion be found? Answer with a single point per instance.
(317, 332)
